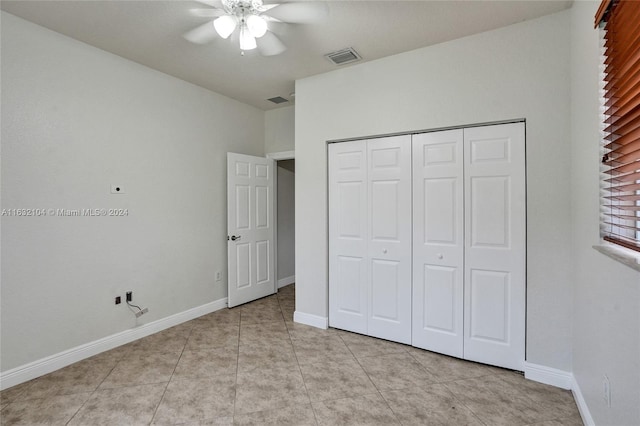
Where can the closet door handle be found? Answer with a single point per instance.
(384, 251)
(440, 256)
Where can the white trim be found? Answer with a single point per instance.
(283, 155)
(312, 320)
(620, 254)
(286, 281)
(277, 156)
(582, 404)
(547, 375)
(54, 362)
(561, 379)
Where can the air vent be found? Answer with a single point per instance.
(344, 56)
(278, 100)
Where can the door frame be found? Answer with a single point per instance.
(278, 156)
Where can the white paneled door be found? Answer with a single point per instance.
(389, 237)
(370, 237)
(495, 223)
(348, 271)
(438, 241)
(427, 241)
(250, 227)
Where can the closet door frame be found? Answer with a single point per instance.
(481, 340)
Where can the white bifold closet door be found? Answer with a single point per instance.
(427, 241)
(370, 237)
(438, 241)
(469, 243)
(495, 245)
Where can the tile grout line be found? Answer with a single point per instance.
(235, 386)
(440, 383)
(97, 387)
(462, 402)
(369, 377)
(155, 412)
(304, 382)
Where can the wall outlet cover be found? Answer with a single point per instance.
(117, 189)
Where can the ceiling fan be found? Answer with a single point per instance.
(251, 18)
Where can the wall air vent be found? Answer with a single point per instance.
(278, 100)
(344, 56)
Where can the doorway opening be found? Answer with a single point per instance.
(285, 228)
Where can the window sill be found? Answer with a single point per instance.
(620, 254)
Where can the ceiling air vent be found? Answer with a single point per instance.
(344, 56)
(278, 100)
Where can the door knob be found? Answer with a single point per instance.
(384, 251)
(233, 237)
(440, 256)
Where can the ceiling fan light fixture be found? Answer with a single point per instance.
(225, 25)
(247, 40)
(257, 26)
(251, 19)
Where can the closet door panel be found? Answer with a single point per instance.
(348, 218)
(438, 246)
(495, 245)
(389, 244)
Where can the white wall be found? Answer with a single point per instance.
(606, 323)
(75, 120)
(521, 71)
(279, 126)
(286, 219)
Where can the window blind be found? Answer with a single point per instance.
(620, 201)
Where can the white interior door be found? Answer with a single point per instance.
(495, 245)
(438, 241)
(348, 217)
(250, 227)
(389, 237)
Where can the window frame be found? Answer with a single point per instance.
(620, 145)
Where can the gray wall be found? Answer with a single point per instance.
(279, 125)
(521, 71)
(75, 120)
(606, 294)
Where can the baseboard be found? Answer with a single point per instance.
(52, 363)
(312, 320)
(549, 376)
(286, 281)
(581, 403)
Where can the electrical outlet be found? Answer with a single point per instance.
(218, 275)
(118, 300)
(606, 391)
(129, 296)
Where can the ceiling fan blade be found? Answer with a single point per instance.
(299, 13)
(201, 34)
(270, 45)
(207, 13)
(212, 3)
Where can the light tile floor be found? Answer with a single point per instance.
(253, 365)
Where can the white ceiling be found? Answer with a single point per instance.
(150, 33)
